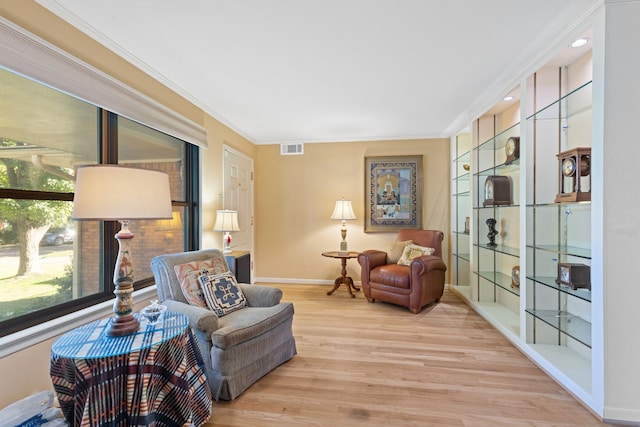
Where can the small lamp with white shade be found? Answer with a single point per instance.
(226, 221)
(118, 193)
(343, 211)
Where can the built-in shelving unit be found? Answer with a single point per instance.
(571, 101)
(461, 212)
(549, 321)
(556, 314)
(492, 289)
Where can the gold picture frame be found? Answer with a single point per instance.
(393, 193)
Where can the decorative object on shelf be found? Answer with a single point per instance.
(512, 149)
(154, 312)
(343, 211)
(497, 190)
(466, 166)
(226, 221)
(466, 225)
(491, 223)
(574, 164)
(574, 275)
(393, 193)
(515, 277)
(111, 193)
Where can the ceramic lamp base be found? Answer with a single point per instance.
(227, 243)
(120, 326)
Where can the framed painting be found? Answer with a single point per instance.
(393, 193)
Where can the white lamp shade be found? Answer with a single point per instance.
(343, 210)
(112, 193)
(226, 220)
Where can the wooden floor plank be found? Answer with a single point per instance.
(380, 365)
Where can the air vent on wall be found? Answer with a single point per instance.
(291, 149)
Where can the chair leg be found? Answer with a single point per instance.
(415, 310)
(371, 300)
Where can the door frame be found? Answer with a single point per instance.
(225, 191)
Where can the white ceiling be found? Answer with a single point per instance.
(281, 71)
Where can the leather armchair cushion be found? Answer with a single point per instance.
(391, 275)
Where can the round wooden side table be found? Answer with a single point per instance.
(343, 279)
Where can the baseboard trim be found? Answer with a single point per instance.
(285, 281)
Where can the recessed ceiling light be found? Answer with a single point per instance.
(580, 42)
(508, 98)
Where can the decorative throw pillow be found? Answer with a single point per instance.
(412, 251)
(222, 294)
(395, 251)
(189, 275)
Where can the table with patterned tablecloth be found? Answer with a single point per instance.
(152, 377)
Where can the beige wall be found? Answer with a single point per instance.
(295, 196)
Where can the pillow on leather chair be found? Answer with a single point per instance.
(395, 251)
(412, 251)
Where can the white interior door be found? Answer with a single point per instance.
(238, 196)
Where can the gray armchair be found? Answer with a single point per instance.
(240, 347)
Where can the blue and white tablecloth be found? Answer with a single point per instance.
(152, 377)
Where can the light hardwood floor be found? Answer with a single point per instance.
(380, 365)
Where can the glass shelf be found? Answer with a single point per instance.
(500, 279)
(501, 169)
(567, 250)
(586, 205)
(513, 205)
(462, 194)
(464, 157)
(569, 324)
(582, 293)
(500, 140)
(466, 257)
(500, 248)
(579, 100)
(463, 177)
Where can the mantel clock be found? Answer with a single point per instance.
(512, 149)
(497, 190)
(574, 164)
(574, 275)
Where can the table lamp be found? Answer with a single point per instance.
(169, 226)
(117, 193)
(226, 221)
(343, 211)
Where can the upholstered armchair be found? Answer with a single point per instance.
(414, 285)
(238, 347)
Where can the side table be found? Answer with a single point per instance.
(343, 279)
(154, 376)
(239, 263)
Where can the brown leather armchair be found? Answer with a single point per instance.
(412, 286)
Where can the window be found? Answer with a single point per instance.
(50, 265)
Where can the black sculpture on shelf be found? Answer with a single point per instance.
(491, 222)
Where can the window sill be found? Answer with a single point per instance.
(37, 334)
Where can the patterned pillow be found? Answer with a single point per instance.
(189, 275)
(412, 251)
(222, 293)
(395, 251)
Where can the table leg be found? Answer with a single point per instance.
(348, 281)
